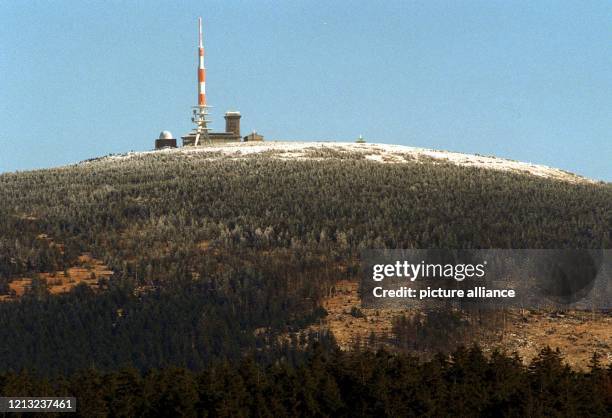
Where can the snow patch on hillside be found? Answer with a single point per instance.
(383, 153)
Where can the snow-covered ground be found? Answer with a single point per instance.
(383, 153)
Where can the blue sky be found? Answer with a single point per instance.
(526, 80)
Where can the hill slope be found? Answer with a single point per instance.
(216, 251)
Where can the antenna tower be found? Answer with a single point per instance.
(200, 112)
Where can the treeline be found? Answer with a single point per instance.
(357, 384)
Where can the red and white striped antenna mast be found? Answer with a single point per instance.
(200, 112)
(201, 68)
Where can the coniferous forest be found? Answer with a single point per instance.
(218, 263)
(332, 383)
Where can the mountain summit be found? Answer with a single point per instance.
(384, 153)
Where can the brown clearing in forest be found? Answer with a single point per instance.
(577, 334)
(88, 271)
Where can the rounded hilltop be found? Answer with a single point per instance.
(382, 153)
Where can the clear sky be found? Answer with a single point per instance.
(526, 80)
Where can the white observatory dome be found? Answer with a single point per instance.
(165, 135)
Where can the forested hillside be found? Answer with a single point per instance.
(214, 257)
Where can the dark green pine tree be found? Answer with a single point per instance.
(507, 386)
(124, 393)
(89, 389)
(552, 385)
(172, 391)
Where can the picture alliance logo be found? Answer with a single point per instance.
(536, 277)
(423, 270)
